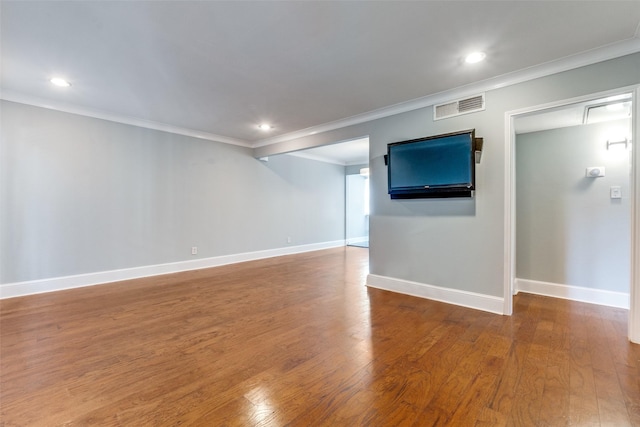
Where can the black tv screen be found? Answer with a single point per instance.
(434, 166)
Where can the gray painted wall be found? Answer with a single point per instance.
(569, 230)
(82, 195)
(457, 244)
(354, 169)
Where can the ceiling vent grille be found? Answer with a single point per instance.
(459, 107)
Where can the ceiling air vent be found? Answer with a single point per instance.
(458, 107)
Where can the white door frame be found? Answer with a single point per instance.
(634, 306)
(510, 204)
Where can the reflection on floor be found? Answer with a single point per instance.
(364, 244)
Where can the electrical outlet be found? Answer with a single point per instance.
(194, 250)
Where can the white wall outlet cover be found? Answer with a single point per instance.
(595, 171)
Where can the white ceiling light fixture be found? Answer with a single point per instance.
(265, 126)
(604, 112)
(475, 57)
(60, 82)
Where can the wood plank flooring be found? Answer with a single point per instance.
(300, 341)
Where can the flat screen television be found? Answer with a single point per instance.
(433, 167)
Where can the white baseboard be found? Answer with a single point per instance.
(451, 296)
(10, 290)
(575, 293)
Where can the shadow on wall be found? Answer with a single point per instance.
(435, 207)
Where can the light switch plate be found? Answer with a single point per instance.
(615, 192)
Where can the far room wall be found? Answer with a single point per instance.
(83, 195)
(569, 230)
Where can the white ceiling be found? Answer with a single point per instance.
(220, 68)
(355, 152)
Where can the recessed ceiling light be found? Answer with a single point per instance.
(474, 57)
(265, 126)
(60, 82)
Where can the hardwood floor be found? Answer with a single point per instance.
(300, 341)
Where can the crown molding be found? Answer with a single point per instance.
(593, 56)
(35, 101)
(589, 57)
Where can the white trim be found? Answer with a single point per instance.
(634, 309)
(574, 293)
(589, 57)
(450, 296)
(569, 101)
(509, 216)
(10, 290)
(118, 118)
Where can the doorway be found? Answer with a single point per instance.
(353, 155)
(570, 206)
(357, 208)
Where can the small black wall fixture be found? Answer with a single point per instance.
(479, 144)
